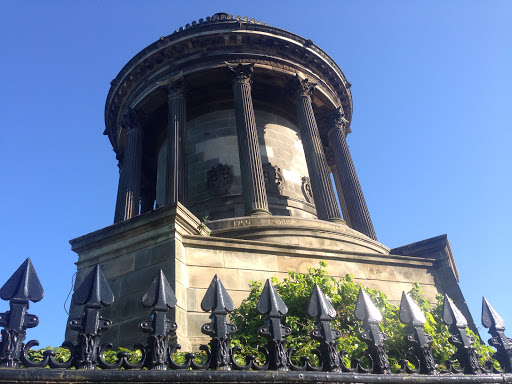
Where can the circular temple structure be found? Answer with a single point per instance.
(234, 118)
(229, 133)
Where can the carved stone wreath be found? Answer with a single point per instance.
(220, 180)
(273, 177)
(307, 191)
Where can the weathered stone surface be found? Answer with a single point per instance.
(414, 275)
(383, 286)
(429, 290)
(254, 262)
(195, 320)
(245, 277)
(139, 280)
(118, 266)
(192, 301)
(205, 257)
(280, 145)
(199, 277)
(379, 272)
(180, 291)
(335, 267)
(238, 296)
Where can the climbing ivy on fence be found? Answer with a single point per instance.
(295, 291)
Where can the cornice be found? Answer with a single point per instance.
(214, 33)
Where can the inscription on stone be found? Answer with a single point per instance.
(220, 180)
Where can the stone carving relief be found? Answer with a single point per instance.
(307, 191)
(304, 87)
(219, 180)
(273, 176)
(241, 73)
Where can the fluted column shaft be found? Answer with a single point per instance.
(176, 138)
(356, 205)
(341, 197)
(118, 215)
(323, 191)
(132, 163)
(253, 183)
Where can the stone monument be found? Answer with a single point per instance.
(227, 133)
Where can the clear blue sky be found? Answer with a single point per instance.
(431, 134)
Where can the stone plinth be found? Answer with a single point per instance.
(238, 251)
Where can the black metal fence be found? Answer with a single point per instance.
(157, 362)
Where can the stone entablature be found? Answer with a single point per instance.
(153, 61)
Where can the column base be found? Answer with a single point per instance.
(258, 212)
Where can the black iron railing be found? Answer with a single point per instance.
(158, 353)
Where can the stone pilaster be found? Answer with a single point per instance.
(176, 138)
(118, 215)
(353, 195)
(323, 191)
(253, 183)
(132, 163)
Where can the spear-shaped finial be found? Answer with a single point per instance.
(21, 288)
(420, 341)
(23, 285)
(273, 307)
(457, 323)
(217, 300)
(320, 308)
(368, 313)
(161, 298)
(503, 344)
(93, 293)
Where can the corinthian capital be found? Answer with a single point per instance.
(176, 88)
(338, 120)
(130, 120)
(303, 87)
(241, 73)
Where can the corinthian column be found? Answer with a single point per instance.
(323, 192)
(131, 172)
(353, 195)
(176, 138)
(329, 156)
(253, 183)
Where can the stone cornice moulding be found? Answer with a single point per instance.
(260, 247)
(133, 232)
(152, 58)
(165, 75)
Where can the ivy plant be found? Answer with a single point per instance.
(296, 289)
